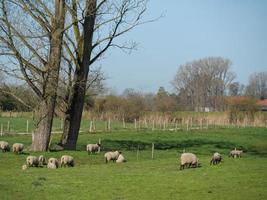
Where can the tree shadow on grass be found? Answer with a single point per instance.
(165, 145)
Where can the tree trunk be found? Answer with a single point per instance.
(41, 137)
(66, 127)
(80, 77)
(76, 109)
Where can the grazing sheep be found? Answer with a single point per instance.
(17, 148)
(4, 146)
(120, 159)
(32, 161)
(24, 167)
(41, 160)
(189, 160)
(52, 163)
(92, 148)
(112, 155)
(216, 158)
(235, 153)
(67, 161)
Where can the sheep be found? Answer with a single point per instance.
(216, 158)
(235, 153)
(32, 161)
(41, 160)
(67, 161)
(52, 163)
(112, 155)
(189, 160)
(121, 158)
(17, 148)
(4, 146)
(92, 148)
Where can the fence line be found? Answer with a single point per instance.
(151, 124)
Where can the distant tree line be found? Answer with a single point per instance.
(202, 85)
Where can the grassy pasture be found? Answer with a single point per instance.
(141, 177)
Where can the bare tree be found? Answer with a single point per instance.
(257, 86)
(94, 28)
(203, 82)
(30, 49)
(236, 89)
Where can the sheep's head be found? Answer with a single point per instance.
(8, 148)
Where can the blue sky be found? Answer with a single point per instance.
(191, 29)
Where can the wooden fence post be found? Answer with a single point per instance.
(27, 126)
(152, 151)
(2, 129)
(109, 124)
(123, 123)
(8, 126)
(135, 125)
(91, 126)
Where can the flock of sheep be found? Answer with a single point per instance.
(187, 159)
(65, 161)
(190, 160)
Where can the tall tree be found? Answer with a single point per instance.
(203, 82)
(257, 86)
(31, 42)
(95, 26)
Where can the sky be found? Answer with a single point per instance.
(190, 30)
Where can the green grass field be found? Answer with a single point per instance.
(141, 177)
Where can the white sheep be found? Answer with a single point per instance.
(67, 161)
(18, 148)
(189, 160)
(41, 160)
(112, 155)
(216, 158)
(120, 159)
(92, 148)
(32, 161)
(235, 153)
(52, 163)
(4, 146)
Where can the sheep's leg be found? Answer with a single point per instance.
(211, 162)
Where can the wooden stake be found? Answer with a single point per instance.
(8, 126)
(152, 153)
(123, 123)
(27, 126)
(135, 124)
(91, 127)
(109, 124)
(2, 129)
